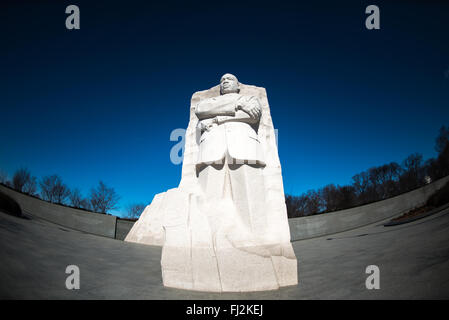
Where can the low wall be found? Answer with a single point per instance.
(300, 228)
(338, 221)
(96, 223)
(123, 228)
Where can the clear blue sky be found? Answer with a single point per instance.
(100, 103)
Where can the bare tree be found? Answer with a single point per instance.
(31, 186)
(432, 169)
(337, 197)
(361, 184)
(329, 196)
(133, 211)
(75, 198)
(20, 178)
(442, 139)
(85, 204)
(392, 176)
(3, 177)
(442, 146)
(388, 176)
(413, 163)
(314, 203)
(78, 201)
(413, 172)
(53, 189)
(291, 207)
(24, 182)
(103, 198)
(443, 160)
(346, 197)
(375, 178)
(306, 204)
(296, 205)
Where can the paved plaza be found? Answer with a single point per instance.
(413, 259)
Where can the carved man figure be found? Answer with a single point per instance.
(230, 156)
(229, 124)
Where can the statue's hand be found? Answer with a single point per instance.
(252, 109)
(207, 124)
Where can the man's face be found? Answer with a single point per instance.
(229, 84)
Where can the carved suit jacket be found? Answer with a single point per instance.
(226, 129)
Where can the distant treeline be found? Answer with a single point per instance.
(101, 199)
(376, 183)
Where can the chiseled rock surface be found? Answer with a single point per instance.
(214, 243)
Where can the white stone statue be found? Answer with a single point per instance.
(225, 227)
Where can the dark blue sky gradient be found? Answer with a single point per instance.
(100, 103)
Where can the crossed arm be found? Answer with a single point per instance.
(244, 109)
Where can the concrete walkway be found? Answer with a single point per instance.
(413, 259)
